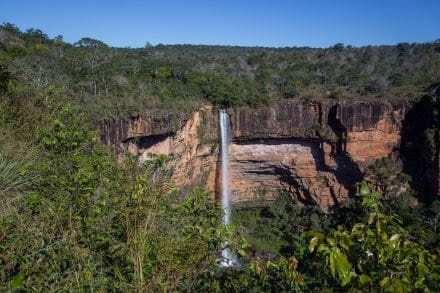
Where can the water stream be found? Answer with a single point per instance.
(227, 258)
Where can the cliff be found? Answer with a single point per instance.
(420, 145)
(116, 131)
(316, 151)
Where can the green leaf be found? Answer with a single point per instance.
(422, 269)
(371, 218)
(331, 241)
(364, 190)
(332, 260)
(313, 243)
(342, 264)
(17, 281)
(376, 194)
(420, 283)
(365, 280)
(346, 280)
(384, 282)
(394, 242)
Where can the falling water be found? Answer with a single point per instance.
(227, 257)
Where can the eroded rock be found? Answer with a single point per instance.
(315, 151)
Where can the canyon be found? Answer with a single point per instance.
(314, 150)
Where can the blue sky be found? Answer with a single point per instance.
(248, 22)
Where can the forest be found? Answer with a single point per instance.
(74, 218)
(116, 82)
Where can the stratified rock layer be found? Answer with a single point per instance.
(259, 169)
(315, 151)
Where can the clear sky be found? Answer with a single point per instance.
(279, 23)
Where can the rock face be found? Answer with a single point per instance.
(261, 168)
(316, 151)
(116, 131)
(373, 131)
(421, 144)
(192, 149)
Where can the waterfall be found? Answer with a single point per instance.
(224, 129)
(227, 257)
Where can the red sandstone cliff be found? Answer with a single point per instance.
(315, 151)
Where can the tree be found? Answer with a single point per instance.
(59, 43)
(9, 27)
(338, 47)
(35, 36)
(378, 254)
(217, 88)
(92, 57)
(90, 43)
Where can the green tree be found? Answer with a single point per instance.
(378, 254)
(90, 43)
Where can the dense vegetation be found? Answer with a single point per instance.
(371, 241)
(122, 81)
(74, 219)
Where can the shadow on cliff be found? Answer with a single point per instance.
(347, 172)
(287, 178)
(145, 142)
(420, 144)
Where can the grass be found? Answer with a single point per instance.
(17, 161)
(13, 175)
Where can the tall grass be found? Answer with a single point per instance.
(16, 175)
(17, 155)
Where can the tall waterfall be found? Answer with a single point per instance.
(228, 258)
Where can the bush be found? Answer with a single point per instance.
(88, 222)
(378, 255)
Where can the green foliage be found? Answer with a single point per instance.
(387, 172)
(16, 174)
(217, 89)
(370, 198)
(280, 228)
(89, 43)
(378, 254)
(59, 136)
(277, 276)
(170, 246)
(79, 220)
(120, 81)
(5, 79)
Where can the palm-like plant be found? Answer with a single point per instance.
(16, 173)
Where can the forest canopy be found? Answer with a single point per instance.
(108, 81)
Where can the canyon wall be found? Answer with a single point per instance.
(316, 151)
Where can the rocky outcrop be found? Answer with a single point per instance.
(259, 169)
(282, 120)
(193, 148)
(116, 131)
(373, 130)
(365, 130)
(316, 151)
